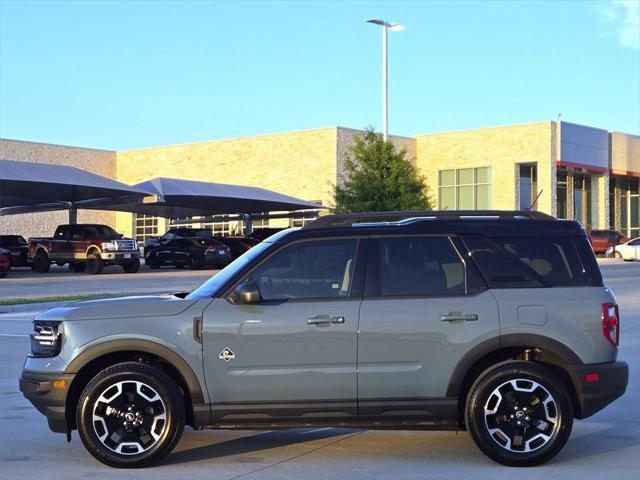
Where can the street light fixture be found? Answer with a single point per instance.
(396, 27)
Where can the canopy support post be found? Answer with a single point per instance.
(73, 214)
(248, 224)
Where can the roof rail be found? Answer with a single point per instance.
(350, 219)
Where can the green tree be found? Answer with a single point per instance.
(378, 178)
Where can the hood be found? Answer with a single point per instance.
(122, 307)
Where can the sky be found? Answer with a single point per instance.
(130, 74)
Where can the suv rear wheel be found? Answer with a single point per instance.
(519, 414)
(130, 415)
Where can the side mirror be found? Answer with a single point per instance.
(120, 235)
(245, 293)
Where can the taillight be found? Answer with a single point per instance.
(611, 323)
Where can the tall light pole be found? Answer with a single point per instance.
(396, 27)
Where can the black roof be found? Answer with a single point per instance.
(488, 223)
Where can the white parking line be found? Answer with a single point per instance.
(11, 335)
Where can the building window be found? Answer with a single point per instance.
(465, 189)
(627, 204)
(582, 198)
(307, 216)
(221, 226)
(562, 176)
(528, 187)
(145, 226)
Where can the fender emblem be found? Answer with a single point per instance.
(226, 354)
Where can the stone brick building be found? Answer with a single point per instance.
(567, 170)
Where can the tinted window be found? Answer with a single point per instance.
(182, 243)
(526, 262)
(61, 232)
(12, 241)
(635, 242)
(588, 260)
(94, 231)
(320, 269)
(416, 266)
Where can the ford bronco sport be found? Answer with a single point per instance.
(493, 322)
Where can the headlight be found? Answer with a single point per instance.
(46, 339)
(109, 246)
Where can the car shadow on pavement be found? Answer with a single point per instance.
(254, 443)
(601, 442)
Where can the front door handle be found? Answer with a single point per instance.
(459, 317)
(325, 320)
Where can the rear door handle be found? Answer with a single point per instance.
(325, 320)
(459, 317)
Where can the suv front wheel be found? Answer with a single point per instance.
(130, 415)
(519, 414)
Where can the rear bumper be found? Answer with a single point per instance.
(593, 396)
(38, 389)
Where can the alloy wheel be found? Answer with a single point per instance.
(129, 417)
(521, 415)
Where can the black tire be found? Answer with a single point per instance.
(152, 263)
(77, 267)
(41, 262)
(196, 264)
(498, 435)
(131, 267)
(94, 264)
(114, 424)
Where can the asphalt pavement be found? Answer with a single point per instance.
(604, 446)
(24, 283)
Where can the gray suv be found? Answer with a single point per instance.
(493, 322)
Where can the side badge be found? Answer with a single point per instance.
(226, 354)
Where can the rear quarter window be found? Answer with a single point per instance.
(533, 262)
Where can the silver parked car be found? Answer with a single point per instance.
(493, 322)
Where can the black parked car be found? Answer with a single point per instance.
(263, 233)
(189, 252)
(175, 233)
(18, 247)
(238, 245)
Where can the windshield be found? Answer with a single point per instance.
(211, 286)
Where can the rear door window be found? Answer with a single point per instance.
(415, 266)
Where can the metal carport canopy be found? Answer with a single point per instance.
(175, 198)
(29, 187)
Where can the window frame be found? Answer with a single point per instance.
(372, 280)
(475, 183)
(357, 284)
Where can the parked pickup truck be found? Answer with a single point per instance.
(87, 247)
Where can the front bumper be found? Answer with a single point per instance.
(39, 390)
(217, 259)
(593, 396)
(120, 258)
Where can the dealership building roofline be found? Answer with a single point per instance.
(560, 168)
